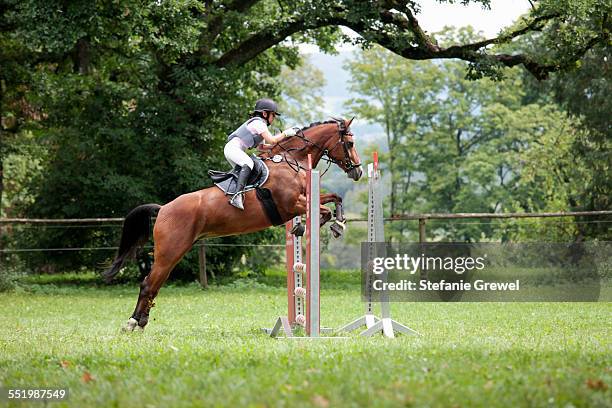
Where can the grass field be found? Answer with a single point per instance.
(204, 348)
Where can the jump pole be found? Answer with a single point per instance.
(313, 290)
(303, 279)
(376, 233)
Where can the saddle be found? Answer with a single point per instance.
(227, 181)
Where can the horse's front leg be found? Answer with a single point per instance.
(325, 215)
(337, 228)
(337, 200)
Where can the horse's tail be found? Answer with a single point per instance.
(135, 233)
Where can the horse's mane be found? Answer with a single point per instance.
(287, 143)
(325, 122)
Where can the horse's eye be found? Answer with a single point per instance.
(350, 145)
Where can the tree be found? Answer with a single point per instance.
(132, 101)
(302, 93)
(393, 93)
(120, 123)
(468, 146)
(583, 92)
(186, 42)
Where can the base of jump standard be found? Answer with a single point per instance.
(376, 233)
(303, 278)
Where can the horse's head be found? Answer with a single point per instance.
(336, 144)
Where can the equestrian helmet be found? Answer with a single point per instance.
(266, 105)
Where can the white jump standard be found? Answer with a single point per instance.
(376, 233)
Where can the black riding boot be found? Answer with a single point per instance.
(243, 177)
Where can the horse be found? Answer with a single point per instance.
(207, 213)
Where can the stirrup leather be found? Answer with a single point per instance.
(237, 201)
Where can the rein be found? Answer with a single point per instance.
(296, 166)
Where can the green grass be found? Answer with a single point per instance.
(204, 348)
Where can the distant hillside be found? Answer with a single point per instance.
(336, 93)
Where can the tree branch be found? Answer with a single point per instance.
(535, 25)
(472, 52)
(408, 23)
(395, 13)
(262, 40)
(215, 25)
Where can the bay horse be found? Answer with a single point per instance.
(207, 213)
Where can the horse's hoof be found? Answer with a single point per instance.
(337, 228)
(131, 325)
(298, 230)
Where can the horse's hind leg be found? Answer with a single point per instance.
(168, 252)
(149, 288)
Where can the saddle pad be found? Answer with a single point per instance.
(229, 184)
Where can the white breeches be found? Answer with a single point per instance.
(235, 154)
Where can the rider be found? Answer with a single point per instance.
(250, 134)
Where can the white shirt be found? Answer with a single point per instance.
(257, 127)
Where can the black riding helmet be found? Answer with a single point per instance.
(266, 105)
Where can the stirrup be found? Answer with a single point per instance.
(237, 201)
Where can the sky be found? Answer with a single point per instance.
(433, 17)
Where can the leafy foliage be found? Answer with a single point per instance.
(302, 93)
(121, 119)
(126, 102)
(583, 93)
(462, 146)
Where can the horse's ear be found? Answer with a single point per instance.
(349, 122)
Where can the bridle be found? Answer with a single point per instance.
(348, 164)
(343, 132)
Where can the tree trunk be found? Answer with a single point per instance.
(81, 57)
(2, 136)
(1, 174)
(2, 88)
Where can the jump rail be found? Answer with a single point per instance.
(422, 218)
(399, 217)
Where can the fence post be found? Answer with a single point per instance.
(422, 230)
(1, 244)
(202, 262)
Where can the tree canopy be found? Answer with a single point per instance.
(457, 145)
(106, 105)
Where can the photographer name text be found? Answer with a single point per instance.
(424, 285)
